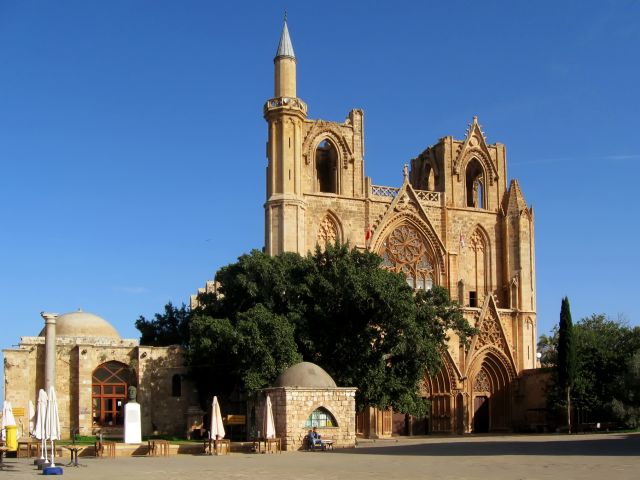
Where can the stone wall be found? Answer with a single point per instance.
(76, 360)
(292, 406)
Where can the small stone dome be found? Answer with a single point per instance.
(83, 324)
(305, 375)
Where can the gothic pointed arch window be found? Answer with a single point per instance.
(480, 267)
(327, 167)
(475, 185)
(327, 232)
(406, 251)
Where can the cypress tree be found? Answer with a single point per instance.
(566, 355)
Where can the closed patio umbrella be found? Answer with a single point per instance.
(8, 420)
(269, 425)
(217, 428)
(52, 423)
(31, 417)
(41, 414)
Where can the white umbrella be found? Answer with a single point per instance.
(217, 428)
(52, 423)
(31, 417)
(8, 420)
(41, 415)
(268, 424)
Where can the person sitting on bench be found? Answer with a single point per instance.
(314, 439)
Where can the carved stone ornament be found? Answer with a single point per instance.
(482, 382)
(477, 241)
(327, 232)
(491, 334)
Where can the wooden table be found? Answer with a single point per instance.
(159, 447)
(32, 448)
(271, 445)
(218, 447)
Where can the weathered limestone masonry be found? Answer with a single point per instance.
(89, 399)
(454, 222)
(292, 407)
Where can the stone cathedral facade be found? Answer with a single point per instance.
(455, 221)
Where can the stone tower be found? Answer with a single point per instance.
(285, 208)
(453, 222)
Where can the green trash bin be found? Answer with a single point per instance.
(12, 438)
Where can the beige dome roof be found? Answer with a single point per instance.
(83, 324)
(305, 375)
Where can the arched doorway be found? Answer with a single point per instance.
(110, 382)
(492, 395)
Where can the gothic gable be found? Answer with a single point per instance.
(406, 208)
(492, 335)
(475, 146)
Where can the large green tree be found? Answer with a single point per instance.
(566, 355)
(337, 308)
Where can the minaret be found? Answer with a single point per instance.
(285, 113)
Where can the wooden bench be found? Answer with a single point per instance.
(323, 444)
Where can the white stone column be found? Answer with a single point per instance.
(49, 349)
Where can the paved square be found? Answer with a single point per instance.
(584, 457)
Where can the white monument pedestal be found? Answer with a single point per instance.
(132, 424)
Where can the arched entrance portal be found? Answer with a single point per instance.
(491, 395)
(110, 382)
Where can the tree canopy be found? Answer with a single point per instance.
(168, 328)
(336, 308)
(605, 385)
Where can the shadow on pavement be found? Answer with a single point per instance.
(619, 445)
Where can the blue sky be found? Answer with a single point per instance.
(132, 141)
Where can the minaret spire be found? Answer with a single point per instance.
(285, 48)
(285, 65)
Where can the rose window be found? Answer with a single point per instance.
(406, 252)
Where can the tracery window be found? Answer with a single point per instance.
(406, 251)
(327, 232)
(482, 382)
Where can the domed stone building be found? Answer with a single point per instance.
(92, 367)
(305, 396)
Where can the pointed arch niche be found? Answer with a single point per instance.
(475, 185)
(406, 250)
(326, 161)
(328, 231)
